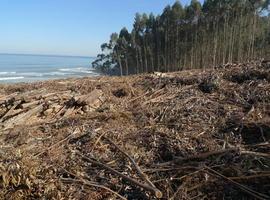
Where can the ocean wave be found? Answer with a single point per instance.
(31, 74)
(7, 73)
(57, 73)
(11, 78)
(77, 70)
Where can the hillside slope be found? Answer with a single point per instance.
(186, 135)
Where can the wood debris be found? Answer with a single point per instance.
(185, 135)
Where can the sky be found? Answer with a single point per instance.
(67, 27)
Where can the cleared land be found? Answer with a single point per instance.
(187, 135)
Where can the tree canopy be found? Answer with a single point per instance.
(194, 36)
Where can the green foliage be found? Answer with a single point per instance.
(195, 36)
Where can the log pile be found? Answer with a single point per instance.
(18, 109)
(185, 135)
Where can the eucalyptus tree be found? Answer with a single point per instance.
(196, 36)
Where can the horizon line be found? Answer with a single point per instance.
(49, 55)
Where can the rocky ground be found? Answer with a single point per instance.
(186, 135)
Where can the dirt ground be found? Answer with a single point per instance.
(186, 135)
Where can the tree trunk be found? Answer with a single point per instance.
(120, 64)
(126, 62)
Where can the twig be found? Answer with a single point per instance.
(250, 177)
(140, 172)
(189, 189)
(256, 153)
(157, 193)
(199, 156)
(131, 100)
(88, 183)
(156, 170)
(97, 141)
(258, 145)
(242, 187)
(54, 145)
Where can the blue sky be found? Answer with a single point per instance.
(67, 27)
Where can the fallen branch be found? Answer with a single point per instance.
(156, 192)
(256, 153)
(20, 119)
(250, 177)
(30, 104)
(56, 144)
(134, 99)
(253, 193)
(140, 172)
(178, 161)
(10, 111)
(97, 141)
(88, 183)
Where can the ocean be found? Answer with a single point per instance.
(28, 68)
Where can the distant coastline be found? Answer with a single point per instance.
(16, 68)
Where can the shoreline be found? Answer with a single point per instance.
(29, 68)
(31, 77)
(18, 80)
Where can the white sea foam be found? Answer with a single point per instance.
(11, 78)
(6, 73)
(33, 74)
(77, 70)
(64, 72)
(57, 74)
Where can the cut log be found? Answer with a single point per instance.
(30, 104)
(93, 99)
(14, 113)
(30, 95)
(61, 112)
(65, 96)
(56, 108)
(55, 95)
(48, 95)
(22, 118)
(69, 112)
(5, 98)
(48, 112)
(11, 111)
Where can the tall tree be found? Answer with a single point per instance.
(196, 36)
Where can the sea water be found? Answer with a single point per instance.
(29, 68)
